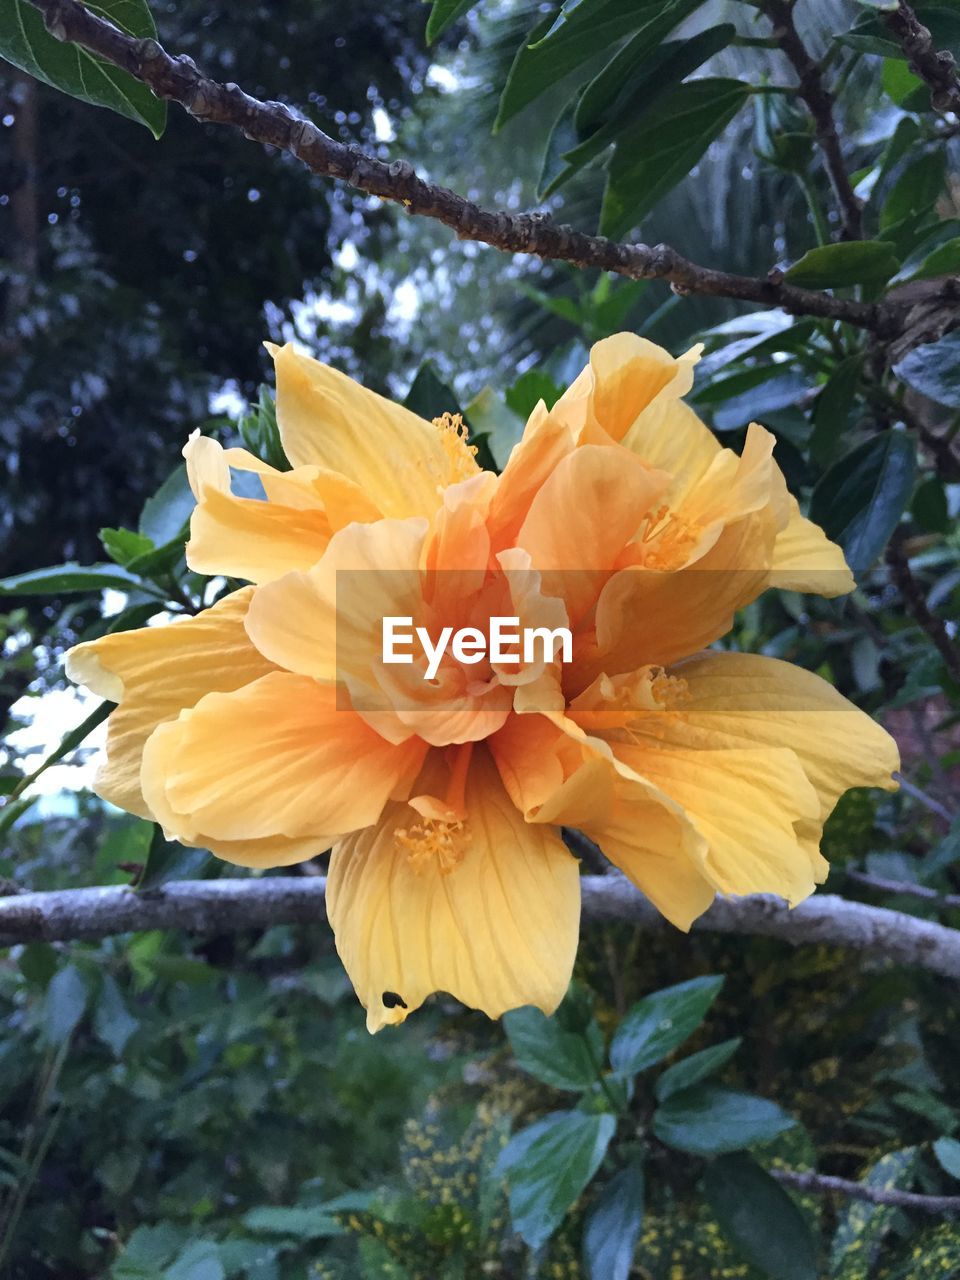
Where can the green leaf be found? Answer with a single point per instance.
(529, 389)
(861, 1227)
(112, 1020)
(167, 860)
(609, 95)
(759, 1217)
(63, 1005)
(123, 545)
(942, 261)
(860, 500)
(831, 413)
(835, 266)
(164, 516)
(659, 150)
(697, 1067)
(707, 1121)
(930, 508)
(70, 579)
(260, 433)
(547, 1167)
(903, 87)
(613, 1225)
(555, 48)
(38, 963)
(443, 14)
(561, 1058)
(429, 396)
(934, 370)
(199, 1261)
(301, 1223)
(26, 42)
(916, 189)
(947, 1151)
(489, 416)
(660, 1022)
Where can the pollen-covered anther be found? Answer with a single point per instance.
(665, 540)
(454, 434)
(434, 841)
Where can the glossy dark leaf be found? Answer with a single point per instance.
(558, 46)
(916, 189)
(934, 370)
(167, 860)
(759, 1217)
(112, 1020)
(64, 1004)
(547, 1167)
(613, 1225)
(429, 396)
(544, 1048)
(659, 1023)
(708, 1121)
(443, 14)
(834, 404)
(947, 1151)
(26, 42)
(834, 266)
(124, 545)
(164, 516)
(656, 153)
(69, 579)
(690, 1071)
(860, 500)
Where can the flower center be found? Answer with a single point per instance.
(453, 433)
(665, 540)
(434, 842)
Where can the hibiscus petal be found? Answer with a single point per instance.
(153, 674)
(804, 559)
(497, 931)
(278, 757)
(399, 460)
(582, 518)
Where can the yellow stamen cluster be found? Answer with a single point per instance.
(434, 841)
(665, 540)
(649, 689)
(454, 438)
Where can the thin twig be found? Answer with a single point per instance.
(921, 797)
(822, 1183)
(820, 104)
(883, 885)
(225, 906)
(278, 125)
(937, 67)
(916, 602)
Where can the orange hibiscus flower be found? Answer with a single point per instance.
(270, 728)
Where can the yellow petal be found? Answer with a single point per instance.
(639, 828)
(153, 674)
(669, 435)
(400, 461)
(765, 702)
(328, 620)
(261, 540)
(626, 375)
(275, 758)
(497, 930)
(804, 559)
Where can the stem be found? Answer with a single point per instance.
(820, 227)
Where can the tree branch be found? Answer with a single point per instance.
(820, 104)
(916, 602)
(938, 68)
(277, 125)
(823, 1182)
(223, 906)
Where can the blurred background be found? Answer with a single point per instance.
(198, 1109)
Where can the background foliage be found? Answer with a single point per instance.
(197, 1109)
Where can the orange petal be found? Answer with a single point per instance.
(275, 758)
